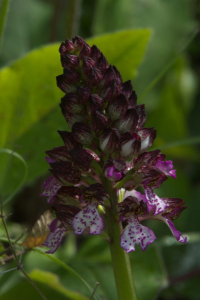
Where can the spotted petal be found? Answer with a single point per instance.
(55, 236)
(51, 186)
(153, 201)
(89, 217)
(135, 233)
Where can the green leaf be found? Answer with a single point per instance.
(124, 49)
(52, 281)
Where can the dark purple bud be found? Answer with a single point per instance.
(127, 89)
(68, 195)
(64, 86)
(78, 43)
(146, 159)
(69, 140)
(82, 133)
(71, 118)
(111, 74)
(71, 76)
(70, 61)
(128, 122)
(114, 169)
(95, 53)
(147, 136)
(70, 102)
(109, 140)
(142, 115)
(133, 100)
(102, 63)
(117, 107)
(99, 122)
(83, 93)
(129, 145)
(95, 103)
(94, 78)
(65, 173)
(67, 47)
(95, 192)
(81, 158)
(85, 51)
(65, 213)
(88, 64)
(112, 91)
(59, 154)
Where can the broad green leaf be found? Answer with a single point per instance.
(52, 281)
(30, 113)
(124, 49)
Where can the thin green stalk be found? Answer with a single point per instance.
(120, 259)
(3, 14)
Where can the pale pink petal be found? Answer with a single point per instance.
(153, 201)
(136, 234)
(51, 186)
(89, 217)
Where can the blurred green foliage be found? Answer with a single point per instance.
(30, 118)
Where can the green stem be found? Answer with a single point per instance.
(3, 14)
(120, 259)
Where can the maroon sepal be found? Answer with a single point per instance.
(68, 195)
(95, 53)
(142, 115)
(150, 176)
(70, 102)
(85, 51)
(69, 140)
(147, 159)
(127, 89)
(119, 165)
(88, 64)
(102, 64)
(64, 86)
(78, 43)
(82, 133)
(111, 74)
(71, 76)
(99, 122)
(132, 204)
(65, 173)
(81, 158)
(129, 149)
(174, 208)
(65, 213)
(94, 78)
(83, 93)
(94, 192)
(133, 100)
(117, 107)
(59, 154)
(70, 61)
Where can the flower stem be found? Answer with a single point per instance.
(120, 259)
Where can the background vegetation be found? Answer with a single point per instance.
(156, 44)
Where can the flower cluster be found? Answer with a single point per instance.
(107, 142)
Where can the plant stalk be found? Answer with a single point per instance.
(120, 259)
